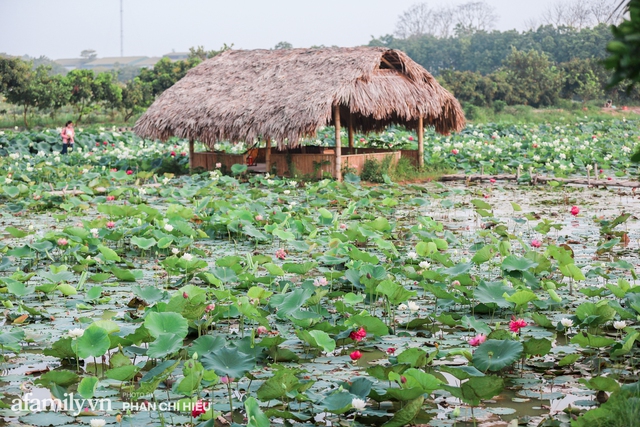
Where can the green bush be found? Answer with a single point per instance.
(499, 105)
(372, 171)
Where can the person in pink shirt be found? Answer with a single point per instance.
(67, 136)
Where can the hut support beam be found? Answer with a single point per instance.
(336, 122)
(420, 143)
(351, 132)
(190, 156)
(267, 156)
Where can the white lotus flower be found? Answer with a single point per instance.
(357, 404)
(413, 307)
(175, 251)
(620, 324)
(424, 265)
(412, 255)
(402, 307)
(97, 422)
(76, 333)
(168, 227)
(187, 257)
(567, 323)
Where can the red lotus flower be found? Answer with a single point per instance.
(575, 210)
(536, 243)
(454, 151)
(185, 295)
(129, 172)
(492, 180)
(403, 379)
(358, 335)
(355, 355)
(173, 154)
(535, 145)
(105, 142)
(281, 254)
(477, 340)
(410, 138)
(97, 144)
(391, 350)
(199, 408)
(516, 325)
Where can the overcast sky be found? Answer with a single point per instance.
(63, 28)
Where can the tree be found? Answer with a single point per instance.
(136, 96)
(420, 20)
(475, 16)
(199, 53)
(166, 73)
(27, 87)
(106, 90)
(82, 95)
(88, 54)
(535, 81)
(624, 50)
(283, 45)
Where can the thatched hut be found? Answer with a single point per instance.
(282, 96)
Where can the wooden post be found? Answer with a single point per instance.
(336, 122)
(420, 143)
(190, 156)
(350, 132)
(267, 156)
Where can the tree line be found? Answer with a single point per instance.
(40, 88)
(558, 58)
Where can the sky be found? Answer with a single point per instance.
(63, 28)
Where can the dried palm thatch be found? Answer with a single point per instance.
(285, 95)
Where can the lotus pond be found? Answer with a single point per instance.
(135, 297)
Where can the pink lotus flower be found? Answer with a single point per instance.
(62, 242)
(575, 210)
(516, 325)
(492, 180)
(185, 295)
(105, 142)
(110, 225)
(129, 172)
(114, 170)
(454, 151)
(199, 408)
(226, 380)
(455, 283)
(355, 355)
(343, 226)
(111, 198)
(260, 330)
(259, 218)
(209, 308)
(183, 154)
(362, 140)
(281, 254)
(358, 335)
(410, 138)
(97, 144)
(218, 165)
(536, 243)
(477, 340)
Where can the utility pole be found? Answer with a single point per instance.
(121, 32)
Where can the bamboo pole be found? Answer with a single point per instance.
(350, 132)
(267, 156)
(190, 156)
(420, 143)
(336, 122)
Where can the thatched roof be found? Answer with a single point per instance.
(285, 95)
